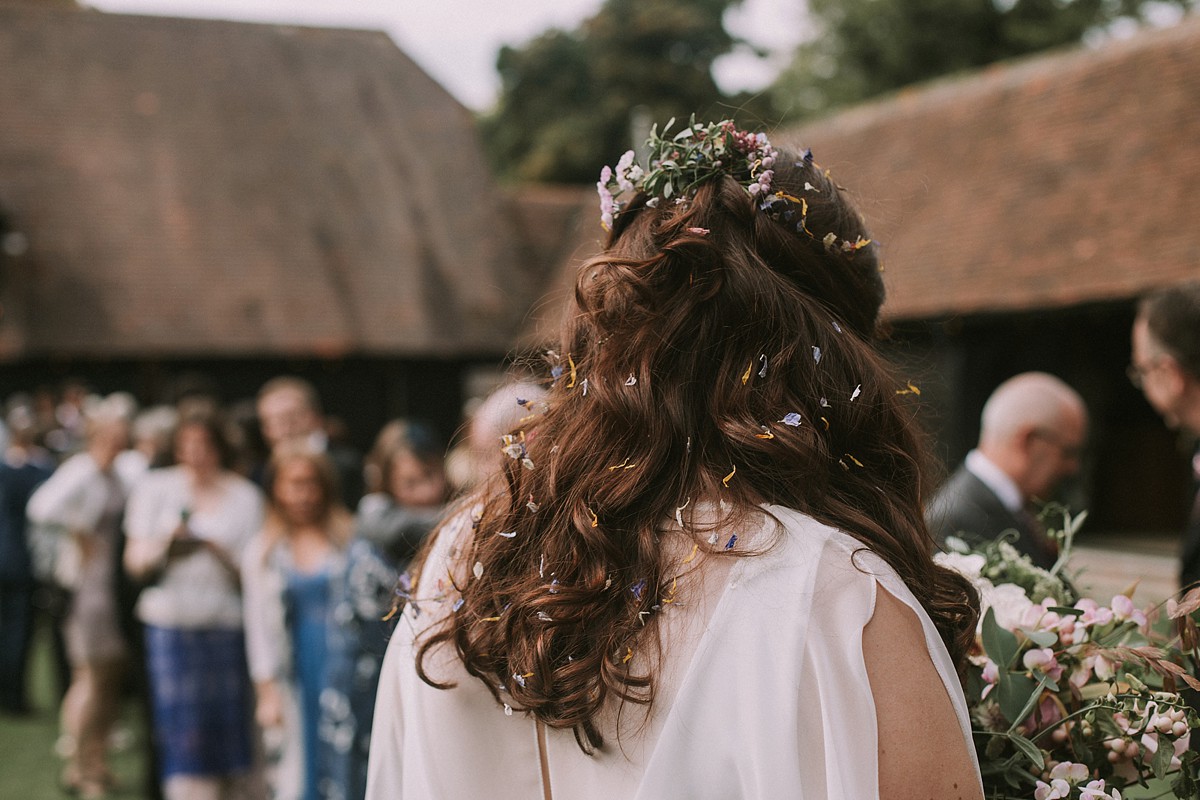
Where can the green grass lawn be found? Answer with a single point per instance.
(29, 768)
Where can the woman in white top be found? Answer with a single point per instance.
(704, 572)
(187, 526)
(83, 500)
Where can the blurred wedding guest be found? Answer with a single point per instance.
(1166, 367)
(187, 528)
(480, 455)
(288, 409)
(23, 467)
(150, 448)
(406, 473)
(84, 500)
(1032, 433)
(315, 599)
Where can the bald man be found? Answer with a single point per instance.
(1032, 432)
(1166, 367)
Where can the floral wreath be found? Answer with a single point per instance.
(679, 163)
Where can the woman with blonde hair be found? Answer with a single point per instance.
(315, 599)
(704, 571)
(83, 502)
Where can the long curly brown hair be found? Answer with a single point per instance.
(691, 339)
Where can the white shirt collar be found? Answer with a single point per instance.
(996, 479)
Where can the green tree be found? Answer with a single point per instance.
(862, 48)
(567, 97)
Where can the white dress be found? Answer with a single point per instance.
(762, 691)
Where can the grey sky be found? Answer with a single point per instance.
(457, 42)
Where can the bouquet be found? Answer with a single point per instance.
(1071, 698)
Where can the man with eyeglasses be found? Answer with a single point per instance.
(1166, 367)
(1032, 432)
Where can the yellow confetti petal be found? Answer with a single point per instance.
(855, 460)
(595, 519)
(910, 390)
(571, 361)
(628, 655)
(688, 560)
(746, 374)
(725, 481)
(766, 434)
(826, 423)
(490, 619)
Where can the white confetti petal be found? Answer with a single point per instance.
(856, 393)
(478, 570)
(816, 351)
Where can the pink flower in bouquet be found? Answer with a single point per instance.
(1042, 660)
(1095, 791)
(1124, 609)
(991, 676)
(1009, 602)
(1062, 777)
(1094, 613)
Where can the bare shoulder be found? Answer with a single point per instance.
(922, 753)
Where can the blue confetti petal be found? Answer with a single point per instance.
(792, 419)
(732, 541)
(638, 589)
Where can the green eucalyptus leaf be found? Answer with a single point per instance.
(1001, 645)
(1041, 638)
(1029, 749)
(1162, 758)
(1017, 694)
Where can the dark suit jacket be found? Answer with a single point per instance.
(964, 506)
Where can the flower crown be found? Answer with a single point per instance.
(681, 162)
(699, 153)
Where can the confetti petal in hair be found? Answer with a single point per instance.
(807, 155)
(508, 534)
(595, 519)
(542, 566)
(628, 655)
(520, 679)
(490, 619)
(766, 433)
(808, 187)
(584, 386)
(556, 371)
(532, 505)
(679, 512)
(857, 391)
(826, 423)
(478, 570)
(507, 710)
(623, 465)
(855, 460)
(457, 604)
(712, 537)
(642, 617)
(837, 327)
(746, 374)
(689, 445)
(571, 382)
(791, 419)
(631, 380)
(699, 231)
(816, 351)
(521, 401)
(544, 617)
(725, 481)
(688, 560)
(909, 390)
(554, 586)
(762, 373)
(608, 582)
(830, 240)
(638, 588)
(732, 541)
(824, 403)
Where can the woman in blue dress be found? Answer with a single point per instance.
(315, 599)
